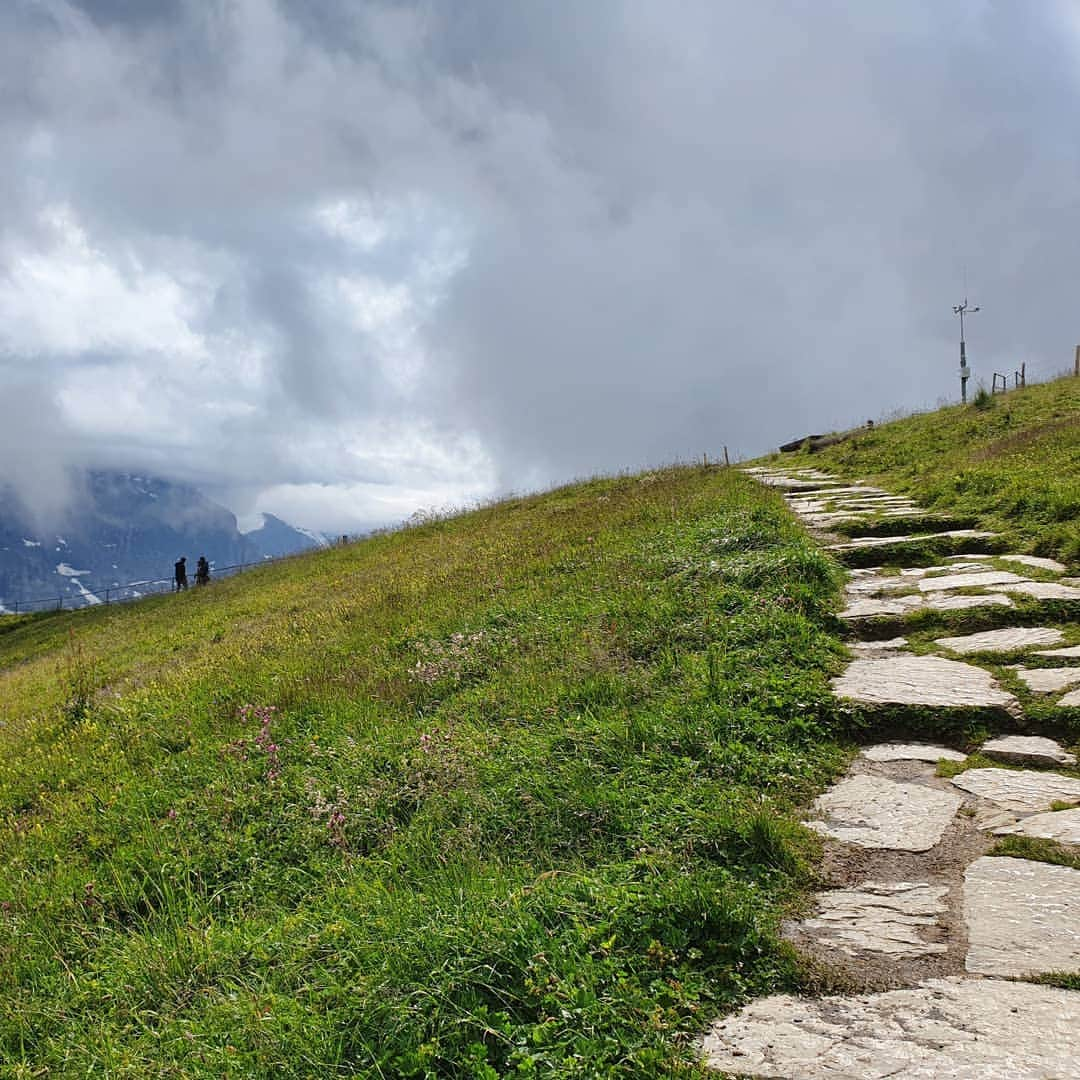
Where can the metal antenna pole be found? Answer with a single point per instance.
(965, 371)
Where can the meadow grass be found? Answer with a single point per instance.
(1012, 465)
(510, 794)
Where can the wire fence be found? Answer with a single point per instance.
(85, 597)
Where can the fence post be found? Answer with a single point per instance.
(1023, 374)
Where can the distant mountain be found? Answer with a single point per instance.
(122, 528)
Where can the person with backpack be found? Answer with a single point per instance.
(180, 571)
(202, 571)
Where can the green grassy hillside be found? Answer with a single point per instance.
(1012, 465)
(511, 794)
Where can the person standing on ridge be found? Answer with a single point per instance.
(202, 571)
(180, 570)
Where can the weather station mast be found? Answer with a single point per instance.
(965, 371)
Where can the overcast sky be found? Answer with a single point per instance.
(341, 260)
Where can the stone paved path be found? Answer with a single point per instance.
(938, 934)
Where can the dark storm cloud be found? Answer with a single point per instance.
(359, 256)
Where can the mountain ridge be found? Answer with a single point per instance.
(126, 529)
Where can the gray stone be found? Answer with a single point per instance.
(920, 680)
(880, 917)
(948, 602)
(872, 812)
(1069, 652)
(891, 645)
(978, 580)
(877, 583)
(1060, 825)
(991, 819)
(911, 752)
(1020, 790)
(1048, 680)
(944, 1029)
(1023, 917)
(1027, 750)
(871, 607)
(860, 543)
(1071, 699)
(1040, 590)
(1037, 562)
(1009, 639)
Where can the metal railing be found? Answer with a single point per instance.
(129, 591)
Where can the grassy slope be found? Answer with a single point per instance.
(525, 804)
(1014, 466)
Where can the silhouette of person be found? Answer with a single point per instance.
(202, 571)
(181, 573)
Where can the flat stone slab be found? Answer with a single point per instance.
(877, 583)
(920, 680)
(1060, 825)
(911, 752)
(1027, 750)
(1019, 790)
(977, 580)
(1071, 699)
(1040, 590)
(944, 1029)
(1023, 918)
(881, 917)
(1067, 653)
(871, 607)
(948, 602)
(892, 644)
(869, 542)
(1036, 561)
(1048, 680)
(1009, 639)
(872, 812)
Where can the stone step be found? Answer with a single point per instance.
(869, 543)
(953, 1029)
(1048, 680)
(1023, 918)
(1007, 639)
(1020, 791)
(899, 919)
(921, 680)
(875, 812)
(1027, 750)
(1060, 825)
